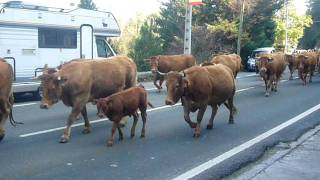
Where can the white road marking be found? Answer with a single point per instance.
(209, 164)
(241, 90)
(151, 89)
(105, 119)
(249, 75)
(27, 104)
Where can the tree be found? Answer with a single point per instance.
(311, 38)
(171, 26)
(87, 4)
(147, 44)
(130, 32)
(296, 26)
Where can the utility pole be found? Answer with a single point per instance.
(188, 29)
(286, 41)
(240, 28)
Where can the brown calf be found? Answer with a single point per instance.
(124, 103)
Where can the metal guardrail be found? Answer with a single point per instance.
(14, 66)
(37, 70)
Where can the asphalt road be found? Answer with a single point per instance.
(32, 151)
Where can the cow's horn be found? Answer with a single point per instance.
(162, 74)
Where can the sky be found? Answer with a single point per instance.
(125, 9)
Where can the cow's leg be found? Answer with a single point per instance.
(72, 117)
(120, 133)
(155, 79)
(84, 114)
(311, 74)
(201, 111)
(232, 110)
(2, 124)
(291, 72)
(186, 111)
(268, 87)
(161, 81)
(115, 125)
(133, 128)
(144, 120)
(213, 114)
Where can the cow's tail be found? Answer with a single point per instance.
(150, 105)
(12, 121)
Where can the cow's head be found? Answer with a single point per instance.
(154, 63)
(51, 87)
(289, 58)
(103, 107)
(264, 63)
(301, 59)
(176, 84)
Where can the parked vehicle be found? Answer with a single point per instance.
(32, 36)
(251, 63)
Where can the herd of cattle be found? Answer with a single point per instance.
(111, 85)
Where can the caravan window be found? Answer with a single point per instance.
(103, 48)
(57, 38)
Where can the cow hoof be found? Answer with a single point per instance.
(142, 136)
(196, 135)
(1, 137)
(193, 125)
(64, 139)
(267, 94)
(132, 135)
(209, 126)
(231, 122)
(86, 131)
(110, 143)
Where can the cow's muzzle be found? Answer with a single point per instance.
(44, 106)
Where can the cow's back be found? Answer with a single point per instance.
(98, 78)
(214, 82)
(175, 62)
(278, 64)
(228, 61)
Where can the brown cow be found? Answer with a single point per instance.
(307, 65)
(166, 63)
(233, 61)
(199, 87)
(292, 62)
(271, 67)
(6, 96)
(79, 82)
(124, 103)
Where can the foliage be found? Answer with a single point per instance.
(171, 26)
(296, 25)
(87, 4)
(130, 32)
(147, 44)
(311, 38)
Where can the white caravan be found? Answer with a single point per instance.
(32, 36)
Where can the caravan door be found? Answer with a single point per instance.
(86, 41)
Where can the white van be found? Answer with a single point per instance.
(32, 36)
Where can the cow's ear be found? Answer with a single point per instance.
(61, 80)
(185, 83)
(109, 103)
